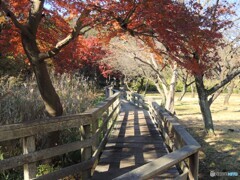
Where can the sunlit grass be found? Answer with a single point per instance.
(221, 152)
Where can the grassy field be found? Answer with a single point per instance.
(220, 153)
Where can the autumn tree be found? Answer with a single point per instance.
(43, 32)
(136, 59)
(190, 33)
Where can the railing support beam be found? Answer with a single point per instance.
(30, 170)
(86, 152)
(193, 166)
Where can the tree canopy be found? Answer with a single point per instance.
(189, 32)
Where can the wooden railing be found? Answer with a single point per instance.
(91, 144)
(136, 99)
(182, 146)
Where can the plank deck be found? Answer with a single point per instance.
(133, 142)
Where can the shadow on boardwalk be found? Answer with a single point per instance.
(134, 141)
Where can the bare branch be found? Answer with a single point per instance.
(223, 82)
(189, 84)
(163, 80)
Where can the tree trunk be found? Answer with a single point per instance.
(229, 93)
(193, 91)
(204, 104)
(141, 86)
(51, 99)
(146, 87)
(171, 93)
(163, 103)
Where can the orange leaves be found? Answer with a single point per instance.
(80, 53)
(153, 48)
(10, 41)
(181, 29)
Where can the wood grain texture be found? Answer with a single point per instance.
(134, 141)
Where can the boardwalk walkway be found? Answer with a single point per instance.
(134, 141)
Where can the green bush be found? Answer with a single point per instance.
(136, 84)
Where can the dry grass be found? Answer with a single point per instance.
(21, 101)
(220, 152)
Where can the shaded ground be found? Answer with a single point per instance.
(220, 153)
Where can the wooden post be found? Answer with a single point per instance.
(193, 166)
(110, 91)
(86, 152)
(106, 92)
(119, 105)
(30, 170)
(110, 109)
(138, 104)
(104, 117)
(95, 126)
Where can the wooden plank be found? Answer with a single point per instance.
(43, 154)
(193, 166)
(159, 165)
(29, 169)
(137, 139)
(118, 156)
(136, 146)
(87, 151)
(15, 131)
(129, 147)
(96, 154)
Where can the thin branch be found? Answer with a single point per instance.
(214, 96)
(149, 64)
(152, 67)
(189, 84)
(223, 82)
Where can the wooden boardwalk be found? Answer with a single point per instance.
(133, 142)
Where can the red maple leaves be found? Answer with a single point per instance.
(190, 33)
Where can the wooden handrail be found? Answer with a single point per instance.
(90, 145)
(159, 165)
(177, 139)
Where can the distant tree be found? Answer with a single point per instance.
(136, 59)
(185, 76)
(190, 33)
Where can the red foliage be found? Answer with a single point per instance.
(183, 30)
(82, 53)
(189, 33)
